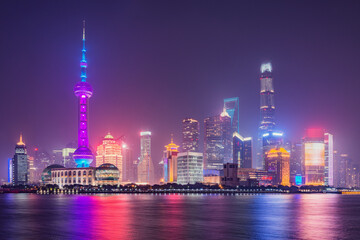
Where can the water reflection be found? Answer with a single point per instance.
(318, 217)
(303, 216)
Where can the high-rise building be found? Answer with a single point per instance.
(314, 157)
(232, 108)
(170, 162)
(190, 166)
(218, 141)
(110, 152)
(129, 164)
(20, 164)
(267, 110)
(67, 154)
(190, 132)
(269, 140)
(145, 166)
(296, 164)
(277, 164)
(83, 91)
(267, 104)
(347, 174)
(10, 171)
(56, 157)
(32, 177)
(242, 151)
(42, 159)
(329, 159)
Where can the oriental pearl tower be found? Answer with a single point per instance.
(83, 91)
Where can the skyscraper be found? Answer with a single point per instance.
(296, 164)
(267, 104)
(145, 166)
(190, 167)
(277, 164)
(83, 91)
(269, 140)
(242, 151)
(232, 108)
(329, 159)
(170, 162)
(218, 141)
(20, 164)
(346, 172)
(110, 152)
(190, 132)
(129, 164)
(314, 157)
(267, 110)
(10, 171)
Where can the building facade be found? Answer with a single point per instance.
(190, 167)
(109, 151)
(267, 110)
(170, 162)
(329, 159)
(296, 164)
(190, 134)
(129, 168)
(242, 151)
(20, 164)
(218, 141)
(277, 164)
(145, 166)
(230, 177)
(314, 157)
(105, 174)
(231, 106)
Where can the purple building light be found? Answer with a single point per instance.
(83, 91)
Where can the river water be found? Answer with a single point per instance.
(176, 216)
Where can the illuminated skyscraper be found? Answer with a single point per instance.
(83, 91)
(267, 109)
(267, 104)
(32, 177)
(277, 164)
(20, 164)
(190, 166)
(170, 162)
(109, 152)
(242, 151)
(145, 166)
(314, 157)
(232, 108)
(269, 140)
(218, 141)
(329, 159)
(190, 132)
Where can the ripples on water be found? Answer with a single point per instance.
(292, 216)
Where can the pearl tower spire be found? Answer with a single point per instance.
(83, 91)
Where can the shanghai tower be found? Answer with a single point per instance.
(83, 91)
(267, 105)
(266, 138)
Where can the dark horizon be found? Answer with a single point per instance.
(151, 64)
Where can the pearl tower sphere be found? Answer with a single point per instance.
(83, 91)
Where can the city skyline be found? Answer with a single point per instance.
(51, 133)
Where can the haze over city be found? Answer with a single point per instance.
(154, 63)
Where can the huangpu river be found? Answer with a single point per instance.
(177, 216)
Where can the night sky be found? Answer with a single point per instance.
(152, 63)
